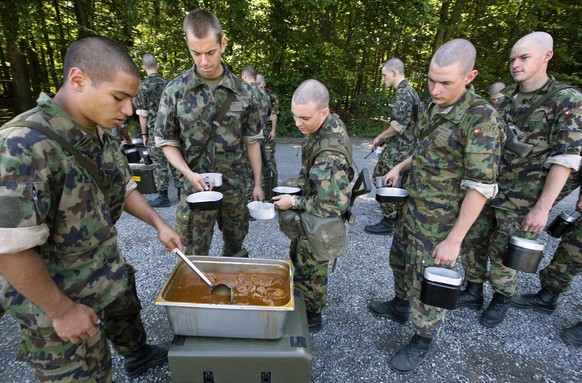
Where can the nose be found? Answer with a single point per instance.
(436, 88)
(127, 108)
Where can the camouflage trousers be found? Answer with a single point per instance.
(383, 166)
(196, 227)
(412, 254)
(566, 262)
(53, 360)
(485, 245)
(310, 275)
(162, 169)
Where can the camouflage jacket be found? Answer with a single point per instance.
(265, 105)
(52, 204)
(325, 187)
(274, 109)
(462, 151)
(187, 109)
(148, 99)
(405, 114)
(555, 131)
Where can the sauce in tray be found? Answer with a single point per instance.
(255, 289)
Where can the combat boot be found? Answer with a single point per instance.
(314, 321)
(545, 300)
(471, 297)
(149, 356)
(162, 200)
(411, 355)
(573, 335)
(496, 311)
(384, 227)
(397, 309)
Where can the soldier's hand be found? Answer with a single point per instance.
(169, 238)
(446, 252)
(76, 323)
(198, 182)
(535, 221)
(258, 194)
(376, 142)
(272, 135)
(392, 177)
(282, 202)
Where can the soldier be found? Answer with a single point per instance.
(550, 119)
(64, 182)
(325, 185)
(194, 142)
(146, 105)
(452, 174)
(398, 135)
(249, 75)
(556, 278)
(495, 94)
(270, 143)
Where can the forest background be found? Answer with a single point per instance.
(341, 43)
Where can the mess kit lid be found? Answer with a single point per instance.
(442, 275)
(525, 243)
(570, 215)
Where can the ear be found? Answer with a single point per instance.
(324, 113)
(471, 76)
(78, 79)
(223, 44)
(394, 72)
(548, 55)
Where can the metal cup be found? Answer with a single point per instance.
(379, 182)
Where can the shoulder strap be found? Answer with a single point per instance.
(219, 117)
(83, 161)
(523, 118)
(329, 144)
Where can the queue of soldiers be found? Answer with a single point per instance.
(65, 282)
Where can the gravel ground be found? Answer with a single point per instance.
(354, 346)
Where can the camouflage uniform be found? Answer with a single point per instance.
(270, 147)
(187, 109)
(147, 100)
(554, 129)
(463, 151)
(404, 113)
(325, 193)
(265, 109)
(52, 204)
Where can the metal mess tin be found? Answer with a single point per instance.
(227, 320)
(440, 287)
(388, 194)
(523, 254)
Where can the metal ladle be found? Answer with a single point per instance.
(220, 289)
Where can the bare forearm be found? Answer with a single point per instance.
(254, 152)
(470, 209)
(555, 181)
(27, 273)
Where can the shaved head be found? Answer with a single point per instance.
(542, 40)
(394, 63)
(149, 61)
(456, 51)
(311, 91)
(495, 88)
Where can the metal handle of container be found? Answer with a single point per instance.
(193, 267)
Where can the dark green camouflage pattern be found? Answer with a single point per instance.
(554, 128)
(148, 98)
(187, 109)
(405, 112)
(41, 185)
(325, 192)
(466, 145)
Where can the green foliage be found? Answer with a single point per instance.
(342, 43)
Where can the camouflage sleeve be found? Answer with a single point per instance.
(329, 175)
(140, 101)
(252, 123)
(567, 125)
(274, 103)
(167, 126)
(25, 192)
(402, 108)
(484, 141)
